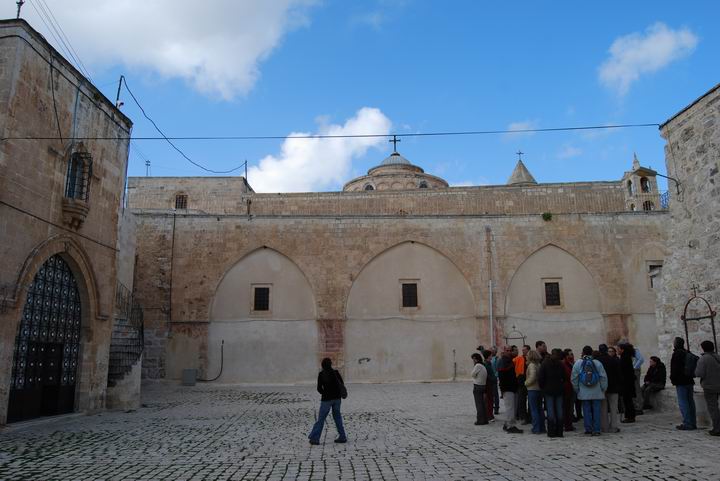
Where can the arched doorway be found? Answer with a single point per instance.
(47, 345)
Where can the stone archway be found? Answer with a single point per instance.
(47, 345)
(426, 336)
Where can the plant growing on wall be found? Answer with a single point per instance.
(547, 216)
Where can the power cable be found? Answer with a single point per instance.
(348, 136)
(122, 79)
(62, 34)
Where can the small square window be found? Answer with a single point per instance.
(261, 298)
(409, 295)
(654, 273)
(181, 201)
(552, 294)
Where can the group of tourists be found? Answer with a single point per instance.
(552, 390)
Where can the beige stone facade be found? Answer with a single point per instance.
(334, 266)
(692, 156)
(59, 199)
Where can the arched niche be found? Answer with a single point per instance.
(529, 306)
(385, 341)
(275, 345)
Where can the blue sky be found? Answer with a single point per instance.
(396, 66)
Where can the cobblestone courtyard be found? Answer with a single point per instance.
(396, 432)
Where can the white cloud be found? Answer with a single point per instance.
(569, 151)
(636, 54)
(516, 129)
(215, 46)
(306, 165)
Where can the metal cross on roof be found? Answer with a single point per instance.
(394, 141)
(19, 4)
(520, 154)
(694, 288)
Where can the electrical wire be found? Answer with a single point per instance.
(349, 136)
(122, 79)
(52, 89)
(62, 34)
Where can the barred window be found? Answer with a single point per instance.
(181, 201)
(552, 294)
(409, 295)
(79, 171)
(261, 299)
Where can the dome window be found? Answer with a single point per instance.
(369, 187)
(423, 185)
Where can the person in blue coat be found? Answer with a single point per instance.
(590, 382)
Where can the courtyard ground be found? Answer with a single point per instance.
(396, 432)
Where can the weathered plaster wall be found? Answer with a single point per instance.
(692, 155)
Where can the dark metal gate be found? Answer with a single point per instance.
(47, 345)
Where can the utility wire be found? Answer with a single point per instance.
(62, 33)
(346, 136)
(55, 32)
(122, 79)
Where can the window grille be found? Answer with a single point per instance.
(552, 294)
(409, 295)
(648, 205)
(261, 301)
(77, 182)
(181, 201)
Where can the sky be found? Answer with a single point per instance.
(304, 67)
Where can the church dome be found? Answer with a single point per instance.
(396, 159)
(395, 173)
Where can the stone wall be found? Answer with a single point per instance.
(692, 156)
(33, 173)
(182, 258)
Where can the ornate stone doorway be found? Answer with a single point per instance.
(47, 345)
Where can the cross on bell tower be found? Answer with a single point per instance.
(394, 141)
(519, 154)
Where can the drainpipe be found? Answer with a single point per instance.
(490, 309)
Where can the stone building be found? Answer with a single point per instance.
(398, 277)
(60, 203)
(692, 157)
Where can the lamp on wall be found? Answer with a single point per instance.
(647, 172)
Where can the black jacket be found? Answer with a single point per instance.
(656, 374)
(677, 369)
(329, 384)
(506, 375)
(627, 375)
(612, 369)
(551, 377)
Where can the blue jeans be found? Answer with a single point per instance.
(536, 412)
(591, 415)
(687, 405)
(325, 407)
(554, 407)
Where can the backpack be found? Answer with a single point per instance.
(690, 364)
(341, 385)
(589, 375)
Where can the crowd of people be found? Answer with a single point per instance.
(552, 390)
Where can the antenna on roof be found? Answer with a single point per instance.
(147, 168)
(19, 3)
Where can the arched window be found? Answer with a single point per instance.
(632, 207)
(369, 187)
(423, 185)
(79, 171)
(631, 189)
(644, 185)
(181, 201)
(647, 205)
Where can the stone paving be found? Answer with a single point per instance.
(396, 432)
